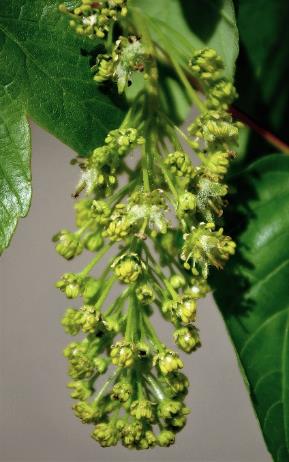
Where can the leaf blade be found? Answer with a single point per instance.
(15, 175)
(252, 294)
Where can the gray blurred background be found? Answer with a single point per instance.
(36, 421)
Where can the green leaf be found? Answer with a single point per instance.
(181, 26)
(44, 75)
(263, 66)
(252, 293)
(15, 176)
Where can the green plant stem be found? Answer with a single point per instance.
(151, 333)
(105, 291)
(95, 260)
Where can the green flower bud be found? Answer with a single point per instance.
(206, 65)
(210, 198)
(148, 441)
(180, 164)
(128, 267)
(122, 353)
(71, 321)
(82, 212)
(90, 289)
(199, 288)
(216, 128)
(166, 438)
(177, 281)
(100, 212)
(68, 244)
(123, 140)
(70, 284)
(182, 308)
(142, 409)
(168, 408)
(111, 324)
(101, 365)
(85, 412)
(131, 434)
(168, 361)
(105, 68)
(90, 318)
(186, 309)
(81, 390)
(145, 294)
(187, 338)
(105, 434)
(221, 95)
(216, 163)
(121, 391)
(119, 228)
(93, 242)
(178, 384)
(204, 247)
(187, 204)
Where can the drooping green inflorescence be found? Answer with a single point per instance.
(160, 224)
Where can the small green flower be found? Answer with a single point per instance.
(121, 391)
(180, 164)
(204, 246)
(101, 365)
(166, 438)
(168, 408)
(71, 321)
(206, 65)
(168, 361)
(90, 318)
(177, 281)
(187, 338)
(100, 211)
(85, 412)
(217, 128)
(68, 244)
(71, 284)
(187, 204)
(93, 242)
(149, 440)
(131, 434)
(128, 267)
(177, 383)
(123, 140)
(122, 353)
(145, 294)
(142, 409)
(106, 434)
(221, 95)
(81, 390)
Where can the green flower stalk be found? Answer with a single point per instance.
(161, 229)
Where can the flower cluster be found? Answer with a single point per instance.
(94, 18)
(162, 226)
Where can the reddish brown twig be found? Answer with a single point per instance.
(265, 134)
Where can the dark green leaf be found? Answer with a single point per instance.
(263, 67)
(15, 176)
(45, 76)
(252, 293)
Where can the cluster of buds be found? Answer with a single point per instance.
(165, 223)
(128, 56)
(99, 171)
(94, 18)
